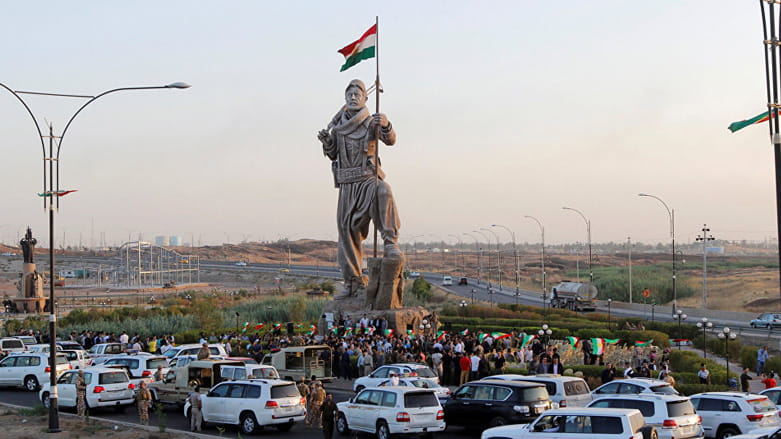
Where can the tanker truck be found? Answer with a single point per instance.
(576, 296)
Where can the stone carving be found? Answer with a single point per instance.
(28, 247)
(29, 297)
(350, 141)
(386, 283)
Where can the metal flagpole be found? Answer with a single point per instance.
(377, 91)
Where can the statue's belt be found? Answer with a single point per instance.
(353, 175)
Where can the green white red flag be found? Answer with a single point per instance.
(611, 341)
(465, 332)
(360, 49)
(389, 332)
(527, 339)
(764, 117)
(644, 343)
(246, 325)
(312, 329)
(441, 335)
(573, 341)
(259, 325)
(499, 335)
(57, 193)
(597, 346)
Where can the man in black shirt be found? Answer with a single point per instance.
(745, 378)
(328, 411)
(609, 373)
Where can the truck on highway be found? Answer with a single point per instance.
(296, 362)
(576, 296)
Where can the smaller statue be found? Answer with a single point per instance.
(28, 246)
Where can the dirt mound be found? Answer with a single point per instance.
(763, 303)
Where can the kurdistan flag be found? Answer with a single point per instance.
(644, 343)
(734, 126)
(573, 341)
(597, 346)
(499, 335)
(612, 340)
(527, 339)
(360, 49)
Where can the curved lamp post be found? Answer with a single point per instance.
(671, 215)
(588, 237)
(488, 240)
(542, 261)
(680, 316)
(498, 257)
(726, 334)
(517, 266)
(52, 177)
(461, 250)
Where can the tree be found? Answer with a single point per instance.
(421, 289)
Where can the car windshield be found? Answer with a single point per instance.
(665, 389)
(761, 405)
(420, 399)
(424, 372)
(284, 391)
(170, 353)
(680, 408)
(113, 378)
(424, 384)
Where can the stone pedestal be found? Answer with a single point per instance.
(386, 283)
(30, 297)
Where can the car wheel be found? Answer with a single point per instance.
(284, 427)
(727, 432)
(753, 325)
(341, 425)
(649, 432)
(31, 383)
(497, 421)
(382, 430)
(46, 401)
(248, 423)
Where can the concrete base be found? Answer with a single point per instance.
(386, 283)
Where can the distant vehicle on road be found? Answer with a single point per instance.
(463, 281)
(284, 270)
(766, 320)
(414, 274)
(240, 264)
(575, 296)
(8, 254)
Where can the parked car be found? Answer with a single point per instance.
(580, 423)
(496, 402)
(77, 358)
(673, 416)
(634, 385)
(240, 264)
(69, 344)
(249, 371)
(141, 365)
(106, 387)
(103, 351)
(772, 393)
(761, 433)
(252, 405)
(28, 340)
(414, 274)
(391, 411)
(442, 392)
(566, 391)
(10, 344)
(311, 362)
(382, 373)
(766, 320)
(727, 414)
(40, 348)
(215, 349)
(29, 369)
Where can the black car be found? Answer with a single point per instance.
(496, 402)
(463, 281)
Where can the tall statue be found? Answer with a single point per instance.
(350, 141)
(28, 246)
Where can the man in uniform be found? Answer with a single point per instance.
(143, 401)
(196, 418)
(81, 395)
(318, 396)
(203, 352)
(350, 141)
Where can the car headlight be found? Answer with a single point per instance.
(523, 409)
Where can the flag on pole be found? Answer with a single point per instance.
(360, 49)
(246, 325)
(527, 339)
(312, 329)
(611, 341)
(573, 341)
(597, 346)
(481, 336)
(57, 193)
(277, 326)
(259, 325)
(441, 335)
(735, 126)
(644, 343)
(499, 335)
(389, 332)
(465, 332)
(348, 330)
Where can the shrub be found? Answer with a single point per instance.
(421, 289)
(691, 389)
(590, 370)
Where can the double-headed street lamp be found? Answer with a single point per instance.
(498, 257)
(609, 314)
(53, 192)
(726, 334)
(671, 215)
(704, 324)
(680, 316)
(705, 237)
(546, 332)
(461, 250)
(479, 250)
(517, 265)
(588, 237)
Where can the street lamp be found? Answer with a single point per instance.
(237, 322)
(705, 237)
(517, 266)
(680, 316)
(542, 258)
(726, 334)
(53, 193)
(545, 331)
(461, 250)
(489, 254)
(671, 214)
(479, 250)
(704, 324)
(463, 306)
(472, 292)
(609, 322)
(588, 237)
(498, 257)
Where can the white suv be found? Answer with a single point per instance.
(673, 416)
(565, 390)
(633, 386)
(106, 387)
(730, 413)
(389, 411)
(577, 422)
(140, 365)
(253, 404)
(29, 369)
(215, 349)
(382, 373)
(10, 344)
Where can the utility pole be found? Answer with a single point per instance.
(629, 246)
(705, 237)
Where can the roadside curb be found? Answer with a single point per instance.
(147, 428)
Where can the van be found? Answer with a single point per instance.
(447, 281)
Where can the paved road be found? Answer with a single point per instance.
(174, 419)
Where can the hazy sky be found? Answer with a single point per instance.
(502, 109)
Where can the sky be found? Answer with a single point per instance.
(502, 109)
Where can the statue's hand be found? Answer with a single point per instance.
(380, 118)
(324, 136)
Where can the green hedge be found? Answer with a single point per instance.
(691, 389)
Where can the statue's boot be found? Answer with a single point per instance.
(391, 250)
